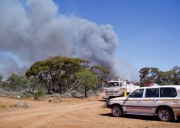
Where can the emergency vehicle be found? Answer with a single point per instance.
(118, 88)
(162, 101)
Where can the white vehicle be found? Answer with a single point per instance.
(161, 101)
(117, 88)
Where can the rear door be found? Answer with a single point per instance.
(151, 100)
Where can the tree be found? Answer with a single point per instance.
(57, 73)
(99, 69)
(101, 73)
(33, 83)
(150, 75)
(1, 80)
(176, 75)
(15, 82)
(86, 80)
(167, 77)
(144, 76)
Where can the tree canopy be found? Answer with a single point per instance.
(86, 80)
(62, 74)
(154, 75)
(58, 74)
(15, 81)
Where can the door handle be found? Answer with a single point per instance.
(155, 100)
(138, 101)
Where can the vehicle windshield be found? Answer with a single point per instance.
(113, 84)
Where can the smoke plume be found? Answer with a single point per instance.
(33, 30)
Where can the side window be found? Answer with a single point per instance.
(152, 92)
(137, 94)
(168, 92)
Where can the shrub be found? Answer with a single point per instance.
(25, 105)
(26, 96)
(38, 94)
(3, 106)
(20, 104)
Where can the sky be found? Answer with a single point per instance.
(123, 35)
(148, 30)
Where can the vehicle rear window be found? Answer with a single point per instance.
(168, 92)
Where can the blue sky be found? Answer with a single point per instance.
(148, 30)
(145, 33)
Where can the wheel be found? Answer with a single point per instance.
(165, 114)
(117, 111)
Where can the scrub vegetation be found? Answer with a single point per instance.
(56, 75)
(73, 77)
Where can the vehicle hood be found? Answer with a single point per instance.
(118, 99)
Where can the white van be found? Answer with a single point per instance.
(163, 101)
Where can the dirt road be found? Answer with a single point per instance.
(72, 113)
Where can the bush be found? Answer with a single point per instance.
(25, 105)
(2, 106)
(76, 94)
(38, 94)
(26, 96)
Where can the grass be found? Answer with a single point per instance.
(24, 105)
(55, 100)
(26, 96)
(3, 106)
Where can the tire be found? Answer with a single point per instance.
(165, 114)
(117, 111)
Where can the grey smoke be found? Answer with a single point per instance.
(33, 30)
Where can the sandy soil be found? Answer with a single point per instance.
(72, 113)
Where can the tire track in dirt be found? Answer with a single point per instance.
(33, 118)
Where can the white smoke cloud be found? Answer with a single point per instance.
(126, 70)
(35, 30)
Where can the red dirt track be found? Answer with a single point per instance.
(72, 113)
